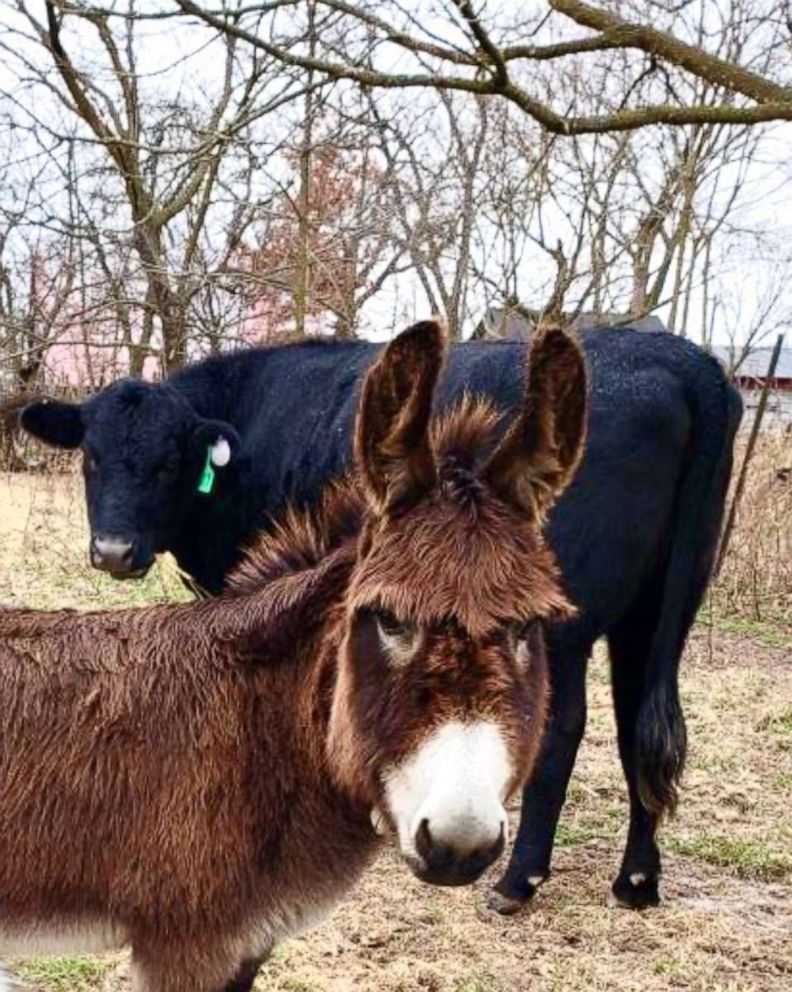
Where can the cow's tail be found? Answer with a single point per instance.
(661, 738)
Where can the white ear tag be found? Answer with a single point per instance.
(220, 452)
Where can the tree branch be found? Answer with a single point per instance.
(774, 102)
(689, 57)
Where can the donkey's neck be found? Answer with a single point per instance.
(313, 837)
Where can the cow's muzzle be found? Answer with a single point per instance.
(119, 555)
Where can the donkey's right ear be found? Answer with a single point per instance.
(540, 452)
(53, 422)
(392, 449)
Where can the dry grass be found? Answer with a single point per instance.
(726, 921)
(756, 579)
(44, 549)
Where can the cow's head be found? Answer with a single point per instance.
(146, 456)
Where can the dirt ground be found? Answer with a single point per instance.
(726, 920)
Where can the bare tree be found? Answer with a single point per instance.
(274, 175)
(434, 161)
(166, 160)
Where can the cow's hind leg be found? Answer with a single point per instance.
(544, 795)
(636, 885)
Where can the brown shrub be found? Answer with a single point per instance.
(19, 452)
(755, 580)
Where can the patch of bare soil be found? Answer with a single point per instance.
(725, 924)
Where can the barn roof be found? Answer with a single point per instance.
(755, 364)
(512, 325)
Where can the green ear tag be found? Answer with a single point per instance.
(207, 480)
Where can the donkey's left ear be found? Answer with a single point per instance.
(392, 449)
(540, 452)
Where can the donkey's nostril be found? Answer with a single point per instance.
(436, 857)
(423, 838)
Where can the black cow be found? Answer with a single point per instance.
(194, 465)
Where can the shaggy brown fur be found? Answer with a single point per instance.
(197, 780)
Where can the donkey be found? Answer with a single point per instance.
(198, 781)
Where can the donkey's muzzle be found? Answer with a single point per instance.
(443, 863)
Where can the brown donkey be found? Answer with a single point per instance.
(198, 781)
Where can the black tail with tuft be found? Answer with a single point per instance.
(661, 738)
(661, 742)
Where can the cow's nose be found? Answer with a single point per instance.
(112, 553)
(447, 862)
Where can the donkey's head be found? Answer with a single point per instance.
(440, 700)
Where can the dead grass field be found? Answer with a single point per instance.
(726, 920)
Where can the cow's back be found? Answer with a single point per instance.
(294, 408)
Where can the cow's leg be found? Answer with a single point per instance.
(636, 885)
(544, 795)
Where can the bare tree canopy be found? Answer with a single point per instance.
(485, 49)
(169, 189)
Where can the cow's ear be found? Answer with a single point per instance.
(540, 452)
(55, 423)
(216, 441)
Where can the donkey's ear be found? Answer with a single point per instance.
(392, 447)
(538, 456)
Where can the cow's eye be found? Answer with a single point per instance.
(169, 468)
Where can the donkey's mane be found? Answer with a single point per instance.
(466, 432)
(460, 438)
(303, 537)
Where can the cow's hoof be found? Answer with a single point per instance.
(508, 897)
(636, 890)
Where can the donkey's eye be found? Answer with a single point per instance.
(398, 636)
(520, 634)
(391, 626)
(521, 630)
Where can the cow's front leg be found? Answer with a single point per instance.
(544, 795)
